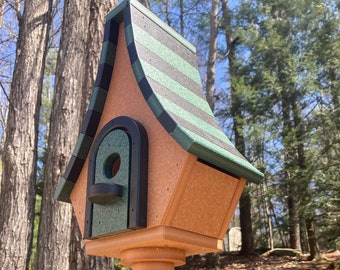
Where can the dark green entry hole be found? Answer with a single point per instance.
(112, 165)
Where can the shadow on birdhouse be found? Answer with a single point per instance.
(151, 168)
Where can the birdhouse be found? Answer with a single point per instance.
(152, 176)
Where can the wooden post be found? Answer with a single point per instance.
(161, 258)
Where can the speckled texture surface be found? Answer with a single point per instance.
(113, 217)
(165, 69)
(167, 73)
(167, 159)
(184, 190)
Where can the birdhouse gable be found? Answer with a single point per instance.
(165, 69)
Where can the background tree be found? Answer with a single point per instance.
(80, 45)
(283, 64)
(272, 75)
(20, 150)
(212, 54)
(237, 108)
(98, 10)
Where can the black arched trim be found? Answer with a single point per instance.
(138, 173)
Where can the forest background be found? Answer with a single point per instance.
(271, 74)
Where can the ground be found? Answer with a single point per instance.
(229, 261)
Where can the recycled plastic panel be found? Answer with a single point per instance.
(165, 68)
(93, 114)
(113, 215)
(117, 179)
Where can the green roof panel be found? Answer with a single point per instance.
(165, 68)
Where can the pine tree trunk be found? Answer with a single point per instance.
(315, 253)
(267, 214)
(247, 239)
(210, 84)
(294, 161)
(247, 246)
(294, 221)
(299, 150)
(66, 116)
(19, 157)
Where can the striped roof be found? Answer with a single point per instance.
(165, 67)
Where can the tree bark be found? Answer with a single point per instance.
(267, 214)
(315, 253)
(98, 10)
(247, 247)
(294, 221)
(292, 188)
(66, 116)
(19, 157)
(247, 239)
(211, 66)
(181, 17)
(2, 10)
(60, 245)
(291, 159)
(79, 260)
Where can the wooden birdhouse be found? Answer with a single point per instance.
(151, 174)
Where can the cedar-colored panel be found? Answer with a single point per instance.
(166, 157)
(232, 206)
(205, 201)
(160, 236)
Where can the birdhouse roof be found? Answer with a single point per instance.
(165, 68)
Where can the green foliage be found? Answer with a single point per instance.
(286, 79)
(45, 111)
(291, 61)
(118, 266)
(35, 230)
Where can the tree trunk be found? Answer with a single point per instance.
(247, 246)
(2, 10)
(294, 221)
(267, 214)
(66, 116)
(284, 241)
(299, 150)
(98, 10)
(181, 17)
(79, 260)
(247, 239)
(210, 84)
(19, 157)
(315, 253)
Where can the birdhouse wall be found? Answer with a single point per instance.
(204, 201)
(168, 161)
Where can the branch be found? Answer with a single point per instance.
(16, 8)
(3, 90)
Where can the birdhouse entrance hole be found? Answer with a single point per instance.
(112, 165)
